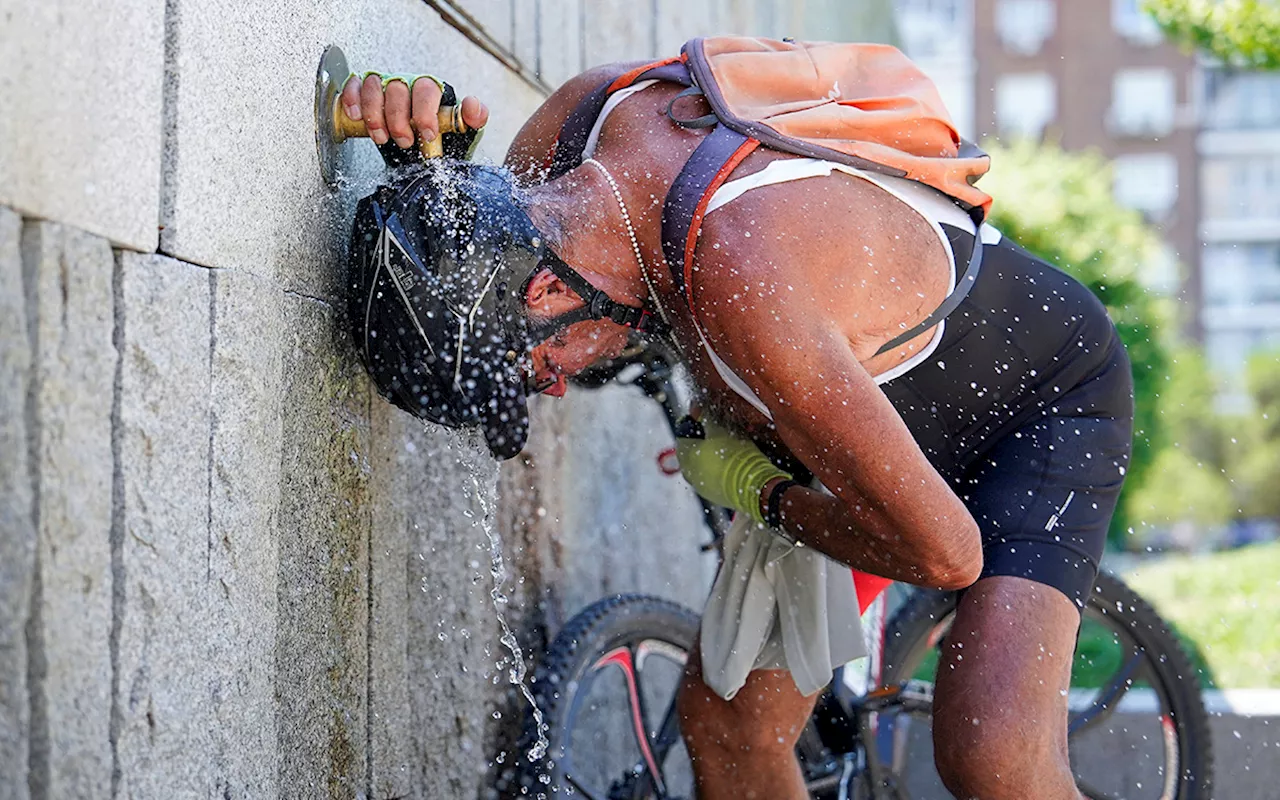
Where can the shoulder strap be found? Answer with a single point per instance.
(951, 302)
(707, 169)
(572, 141)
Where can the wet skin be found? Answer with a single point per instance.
(797, 286)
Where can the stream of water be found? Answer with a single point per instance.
(518, 672)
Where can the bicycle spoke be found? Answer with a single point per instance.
(1104, 704)
(587, 793)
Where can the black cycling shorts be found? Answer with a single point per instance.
(1044, 494)
(1026, 408)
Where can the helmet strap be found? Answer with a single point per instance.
(597, 305)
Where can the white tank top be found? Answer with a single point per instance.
(933, 206)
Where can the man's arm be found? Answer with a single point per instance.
(892, 514)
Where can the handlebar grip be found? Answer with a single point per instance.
(448, 117)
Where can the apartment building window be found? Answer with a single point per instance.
(1025, 25)
(942, 12)
(1147, 182)
(1241, 275)
(1131, 22)
(1241, 100)
(1160, 274)
(1143, 102)
(1025, 104)
(1228, 354)
(1243, 188)
(933, 28)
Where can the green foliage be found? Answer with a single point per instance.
(1187, 482)
(1181, 489)
(1242, 33)
(1257, 471)
(1059, 206)
(1228, 604)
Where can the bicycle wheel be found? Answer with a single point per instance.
(1137, 728)
(606, 688)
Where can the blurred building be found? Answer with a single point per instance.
(1097, 74)
(816, 20)
(1239, 149)
(938, 35)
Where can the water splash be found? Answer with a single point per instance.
(518, 673)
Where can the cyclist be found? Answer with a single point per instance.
(984, 453)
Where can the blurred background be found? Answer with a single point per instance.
(1138, 147)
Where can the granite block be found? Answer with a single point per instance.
(394, 486)
(607, 538)
(169, 680)
(70, 299)
(322, 581)
(244, 499)
(560, 40)
(83, 134)
(618, 30)
(18, 544)
(494, 17)
(243, 188)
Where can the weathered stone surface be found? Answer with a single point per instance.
(322, 648)
(245, 419)
(453, 640)
(258, 166)
(496, 17)
(394, 486)
(560, 44)
(168, 683)
(18, 541)
(87, 152)
(526, 18)
(619, 524)
(677, 22)
(70, 298)
(617, 30)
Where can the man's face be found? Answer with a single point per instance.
(573, 350)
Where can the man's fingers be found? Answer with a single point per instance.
(474, 113)
(397, 113)
(371, 109)
(426, 104)
(351, 97)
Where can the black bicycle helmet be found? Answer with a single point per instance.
(440, 259)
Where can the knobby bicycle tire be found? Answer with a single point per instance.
(602, 627)
(915, 622)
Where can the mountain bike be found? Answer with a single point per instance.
(607, 687)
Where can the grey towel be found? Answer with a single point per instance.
(777, 605)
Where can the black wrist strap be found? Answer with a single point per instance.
(773, 506)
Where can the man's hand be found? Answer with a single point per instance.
(396, 113)
(724, 469)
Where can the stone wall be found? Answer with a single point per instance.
(227, 568)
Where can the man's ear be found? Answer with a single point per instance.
(548, 294)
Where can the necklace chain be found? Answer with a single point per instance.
(635, 242)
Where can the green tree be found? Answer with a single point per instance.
(1187, 482)
(1258, 470)
(1059, 206)
(1241, 33)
